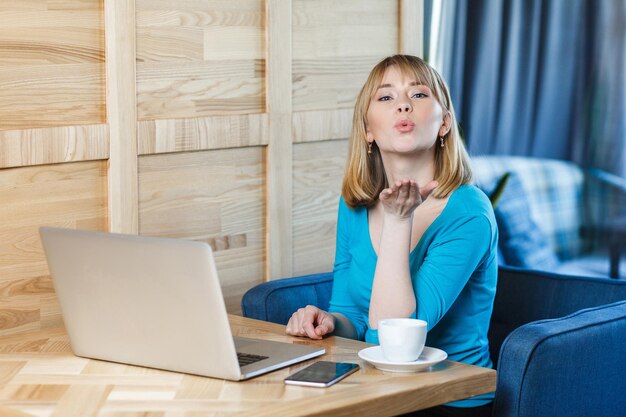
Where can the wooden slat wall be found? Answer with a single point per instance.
(279, 155)
(62, 195)
(51, 63)
(199, 58)
(121, 115)
(52, 111)
(220, 121)
(210, 196)
(318, 167)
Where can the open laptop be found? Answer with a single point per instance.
(153, 302)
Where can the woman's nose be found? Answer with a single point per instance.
(404, 106)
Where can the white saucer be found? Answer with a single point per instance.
(429, 357)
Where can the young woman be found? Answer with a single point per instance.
(414, 238)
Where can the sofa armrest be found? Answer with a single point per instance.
(570, 366)
(618, 184)
(524, 296)
(604, 197)
(277, 300)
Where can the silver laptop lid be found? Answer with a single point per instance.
(146, 301)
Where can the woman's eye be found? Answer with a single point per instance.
(384, 98)
(419, 95)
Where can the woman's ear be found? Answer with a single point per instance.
(368, 135)
(445, 126)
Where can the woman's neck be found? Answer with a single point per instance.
(419, 167)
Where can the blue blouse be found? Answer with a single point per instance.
(453, 270)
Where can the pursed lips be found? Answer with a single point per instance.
(404, 125)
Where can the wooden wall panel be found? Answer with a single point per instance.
(63, 195)
(212, 196)
(194, 134)
(27, 147)
(198, 58)
(23, 5)
(260, 90)
(279, 154)
(318, 170)
(335, 44)
(311, 126)
(411, 27)
(122, 115)
(51, 63)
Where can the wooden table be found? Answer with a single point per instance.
(39, 376)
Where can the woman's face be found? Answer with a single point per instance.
(403, 116)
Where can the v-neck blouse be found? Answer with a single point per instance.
(369, 236)
(453, 270)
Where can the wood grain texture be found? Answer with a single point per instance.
(51, 64)
(7, 412)
(24, 5)
(212, 196)
(74, 5)
(411, 27)
(335, 45)
(312, 126)
(29, 147)
(198, 89)
(39, 375)
(122, 115)
(318, 171)
(279, 151)
(165, 44)
(195, 134)
(200, 58)
(51, 95)
(64, 195)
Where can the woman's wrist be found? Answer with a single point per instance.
(343, 326)
(400, 219)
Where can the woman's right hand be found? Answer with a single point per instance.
(403, 197)
(312, 322)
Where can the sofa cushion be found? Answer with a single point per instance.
(554, 195)
(522, 243)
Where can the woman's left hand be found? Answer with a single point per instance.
(404, 196)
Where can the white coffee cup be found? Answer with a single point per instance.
(402, 340)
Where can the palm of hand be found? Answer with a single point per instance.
(404, 196)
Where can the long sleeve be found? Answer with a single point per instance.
(341, 300)
(449, 263)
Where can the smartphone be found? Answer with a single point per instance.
(322, 374)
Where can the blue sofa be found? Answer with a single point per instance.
(557, 341)
(550, 212)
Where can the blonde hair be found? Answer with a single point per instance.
(365, 177)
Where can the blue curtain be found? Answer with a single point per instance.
(544, 78)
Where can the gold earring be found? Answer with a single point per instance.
(441, 141)
(369, 148)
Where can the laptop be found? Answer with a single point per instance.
(153, 302)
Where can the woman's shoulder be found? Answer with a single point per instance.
(343, 207)
(348, 213)
(469, 200)
(468, 211)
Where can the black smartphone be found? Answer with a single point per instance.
(322, 374)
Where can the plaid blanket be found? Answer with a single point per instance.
(563, 198)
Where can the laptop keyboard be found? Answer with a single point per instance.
(248, 358)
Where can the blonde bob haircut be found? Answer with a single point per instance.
(365, 177)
